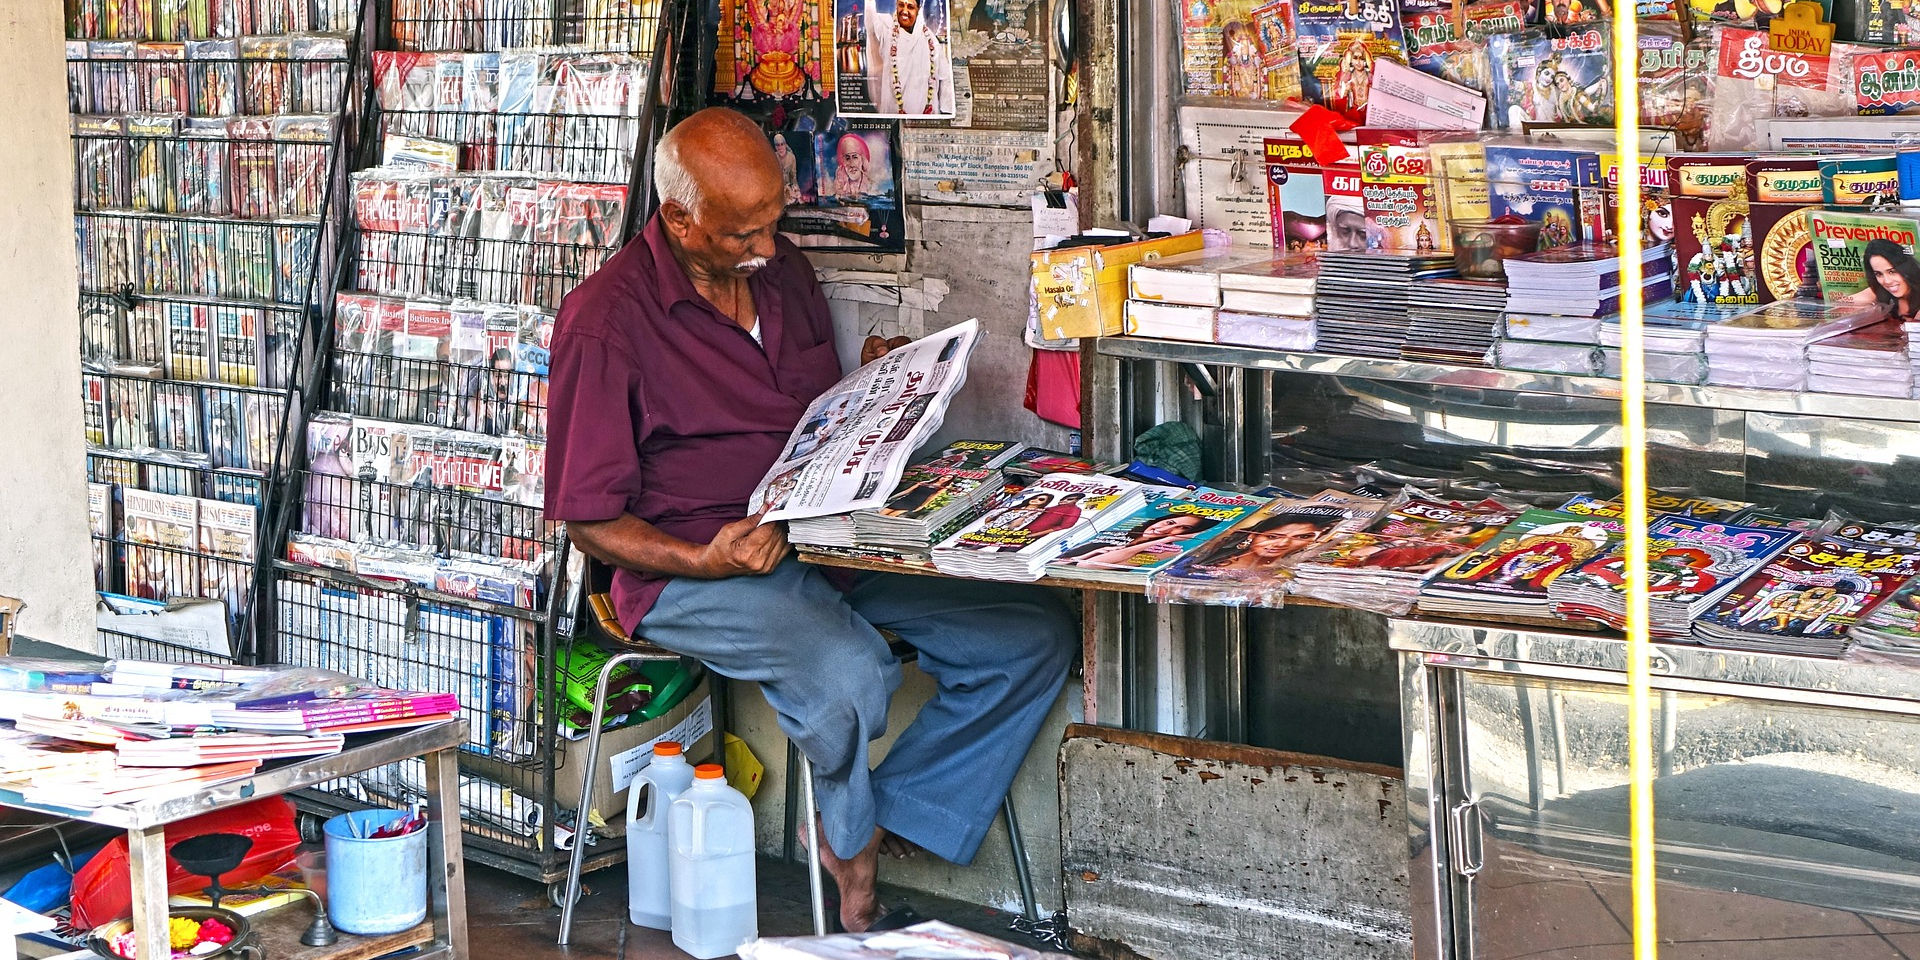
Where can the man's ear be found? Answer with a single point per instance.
(678, 219)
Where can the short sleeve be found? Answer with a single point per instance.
(594, 429)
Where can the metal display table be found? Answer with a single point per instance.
(146, 823)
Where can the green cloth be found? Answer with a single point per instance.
(1170, 446)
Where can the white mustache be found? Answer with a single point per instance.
(751, 266)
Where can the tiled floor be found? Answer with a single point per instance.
(510, 918)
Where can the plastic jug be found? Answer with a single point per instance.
(710, 849)
(666, 776)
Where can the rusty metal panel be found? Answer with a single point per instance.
(1179, 849)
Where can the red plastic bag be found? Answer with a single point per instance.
(103, 889)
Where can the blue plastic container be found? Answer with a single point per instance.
(375, 887)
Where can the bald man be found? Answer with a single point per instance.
(678, 372)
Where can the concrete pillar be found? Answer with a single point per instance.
(44, 546)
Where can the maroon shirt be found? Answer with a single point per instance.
(661, 406)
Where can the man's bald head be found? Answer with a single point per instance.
(721, 194)
(715, 156)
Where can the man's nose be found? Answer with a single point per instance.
(763, 245)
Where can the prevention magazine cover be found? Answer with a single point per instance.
(1844, 241)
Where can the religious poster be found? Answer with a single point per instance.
(1239, 49)
(894, 59)
(844, 182)
(1001, 65)
(773, 50)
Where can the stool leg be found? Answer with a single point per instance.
(788, 852)
(586, 791)
(815, 883)
(1021, 870)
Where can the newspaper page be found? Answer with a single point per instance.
(854, 441)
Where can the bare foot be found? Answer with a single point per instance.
(897, 846)
(859, 903)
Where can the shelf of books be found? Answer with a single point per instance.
(210, 148)
(499, 173)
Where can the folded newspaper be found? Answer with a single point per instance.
(855, 440)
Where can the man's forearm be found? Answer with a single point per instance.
(634, 544)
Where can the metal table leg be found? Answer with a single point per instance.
(587, 773)
(147, 868)
(446, 865)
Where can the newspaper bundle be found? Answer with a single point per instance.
(855, 440)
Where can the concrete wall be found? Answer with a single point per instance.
(44, 547)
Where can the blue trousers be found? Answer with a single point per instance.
(998, 653)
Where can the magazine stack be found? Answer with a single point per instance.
(932, 500)
(1767, 347)
(1360, 301)
(1805, 601)
(1892, 628)
(1252, 564)
(1269, 303)
(1691, 565)
(1057, 511)
(1156, 535)
(1509, 576)
(1383, 566)
(1871, 361)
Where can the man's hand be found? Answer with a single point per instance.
(744, 548)
(876, 347)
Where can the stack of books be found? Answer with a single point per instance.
(1269, 303)
(1892, 628)
(1178, 297)
(1454, 320)
(1912, 330)
(1766, 347)
(934, 498)
(1871, 361)
(1382, 567)
(1510, 574)
(1692, 564)
(1155, 535)
(1016, 541)
(1559, 300)
(1805, 601)
(1361, 299)
(1675, 338)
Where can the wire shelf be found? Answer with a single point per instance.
(136, 566)
(254, 76)
(115, 645)
(163, 255)
(487, 25)
(205, 427)
(249, 168)
(229, 343)
(179, 20)
(455, 506)
(395, 263)
(594, 149)
(494, 399)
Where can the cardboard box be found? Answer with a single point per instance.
(623, 753)
(1082, 291)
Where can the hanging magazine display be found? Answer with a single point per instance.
(1240, 49)
(772, 50)
(855, 440)
(894, 59)
(844, 184)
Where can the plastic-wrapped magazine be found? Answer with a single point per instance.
(1155, 536)
(1805, 600)
(1691, 563)
(854, 441)
(1382, 567)
(1250, 564)
(1511, 574)
(1894, 626)
(1016, 541)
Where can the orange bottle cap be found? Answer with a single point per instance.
(709, 771)
(666, 748)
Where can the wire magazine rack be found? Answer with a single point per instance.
(209, 238)
(423, 595)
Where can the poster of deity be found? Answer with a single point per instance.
(895, 59)
(844, 187)
(773, 51)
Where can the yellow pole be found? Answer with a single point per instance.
(1626, 126)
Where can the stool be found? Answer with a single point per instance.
(800, 787)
